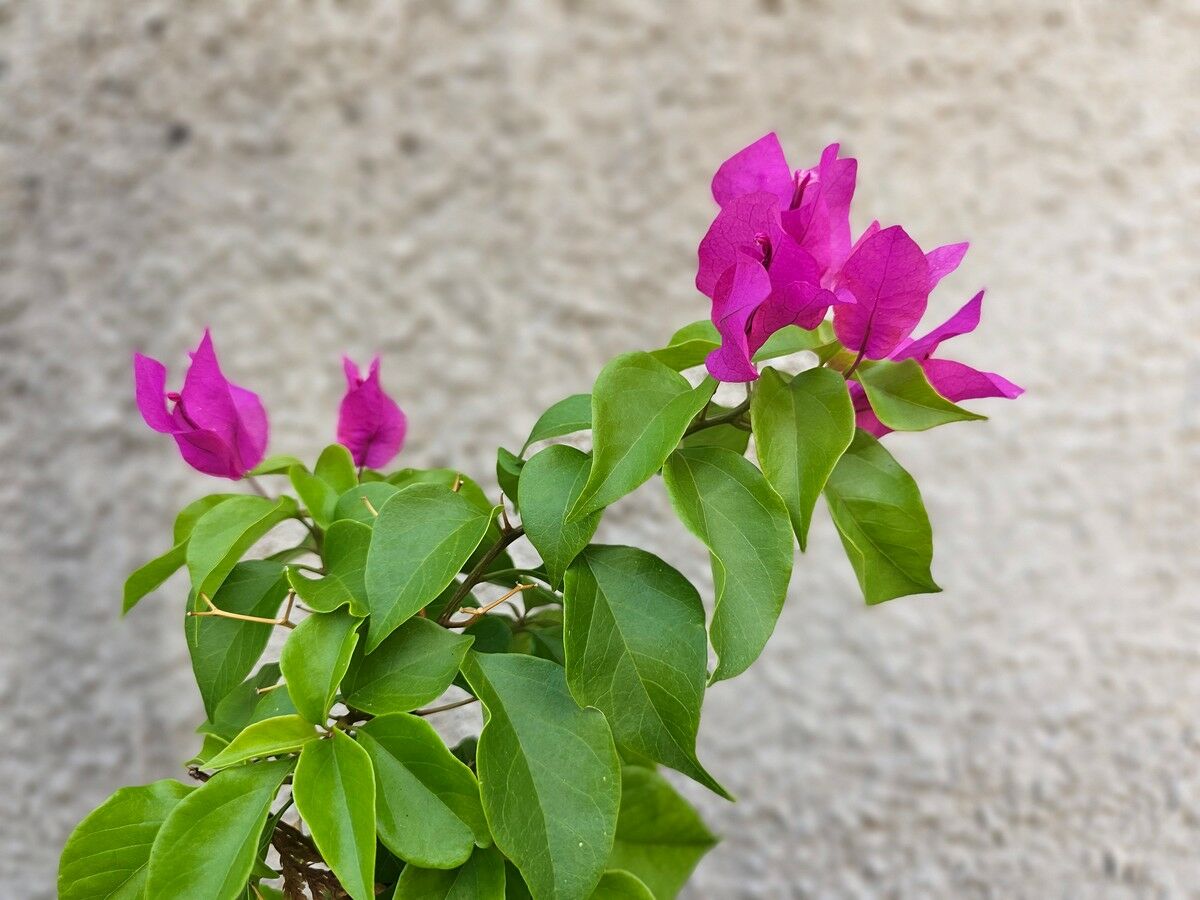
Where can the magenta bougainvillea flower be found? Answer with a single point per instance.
(953, 380)
(771, 256)
(370, 424)
(221, 428)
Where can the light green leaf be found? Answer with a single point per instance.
(362, 503)
(482, 878)
(903, 399)
(227, 531)
(318, 495)
(208, 844)
(151, 575)
(801, 429)
(275, 465)
(107, 853)
(660, 837)
(636, 650)
(271, 737)
(422, 538)
(186, 521)
(725, 501)
(225, 650)
(548, 772)
(345, 557)
(621, 885)
(640, 410)
(413, 665)
(244, 704)
(550, 484)
(315, 659)
(508, 475)
(427, 805)
(334, 789)
(336, 468)
(565, 417)
(731, 437)
(692, 343)
(877, 509)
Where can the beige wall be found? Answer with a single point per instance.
(500, 196)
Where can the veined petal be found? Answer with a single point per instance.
(150, 388)
(759, 167)
(733, 234)
(208, 452)
(738, 293)
(889, 277)
(962, 322)
(957, 381)
(943, 261)
(370, 423)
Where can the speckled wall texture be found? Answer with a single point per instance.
(501, 195)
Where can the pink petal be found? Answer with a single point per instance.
(864, 416)
(150, 385)
(351, 370)
(733, 234)
(739, 292)
(251, 435)
(962, 322)
(759, 167)
(208, 452)
(370, 423)
(943, 261)
(800, 303)
(889, 277)
(205, 399)
(957, 381)
(838, 177)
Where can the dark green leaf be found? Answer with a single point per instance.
(335, 467)
(427, 804)
(903, 399)
(271, 737)
(225, 650)
(725, 501)
(150, 576)
(550, 484)
(208, 844)
(660, 837)
(334, 789)
(344, 581)
(877, 509)
(482, 878)
(227, 531)
(640, 410)
(637, 651)
(548, 772)
(362, 504)
(315, 659)
(414, 665)
(107, 853)
(801, 429)
(731, 437)
(508, 475)
(564, 417)
(621, 885)
(244, 704)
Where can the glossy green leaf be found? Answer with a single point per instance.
(150, 576)
(725, 501)
(565, 417)
(314, 660)
(427, 805)
(278, 464)
(208, 844)
(318, 495)
(422, 538)
(225, 650)
(660, 837)
(636, 650)
(226, 532)
(336, 468)
(640, 410)
(277, 736)
(362, 503)
(413, 666)
(508, 475)
(879, 514)
(621, 885)
(186, 521)
(548, 772)
(544, 629)
(904, 400)
(344, 581)
(692, 343)
(550, 484)
(481, 878)
(334, 789)
(237, 708)
(731, 437)
(801, 429)
(107, 853)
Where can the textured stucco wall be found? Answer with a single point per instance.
(501, 195)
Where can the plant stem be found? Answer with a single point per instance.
(729, 417)
(476, 574)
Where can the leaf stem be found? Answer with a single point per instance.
(729, 417)
(476, 574)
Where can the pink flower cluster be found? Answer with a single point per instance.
(780, 253)
(221, 428)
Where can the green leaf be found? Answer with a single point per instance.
(637, 651)
(545, 633)
(482, 878)
(731, 437)
(550, 484)
(903, 399)
(270, 737)
(107, 853)
(801, 429)
(318, 495)
(548, 772)
(345, 557)
(877, 509)
(413, 665)
(357, 503)
(315, 659)
(422, 538)
(621, 885)
(336, 468)
(275, 465)
(225, 650)
(334, 789)
(692, 343)
(640, 410)
(508, 475)
(186, 521)
(564, 417)
(227, 531)
(208, 844)
(427, 805)
(151, 575)
(725, 501)
(660, 837)
(244, 704)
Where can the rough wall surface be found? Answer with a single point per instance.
(501, 195)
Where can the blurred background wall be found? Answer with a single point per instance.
(499, 196)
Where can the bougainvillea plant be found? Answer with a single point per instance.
(321, 773)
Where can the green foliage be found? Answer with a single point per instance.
(563, 418)
(621, 885)
(223, 535)
(551, 483)
(277, 736)
(414, 665)
(904, 400)
(344, 579)
(481, 878)
(314, 660)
